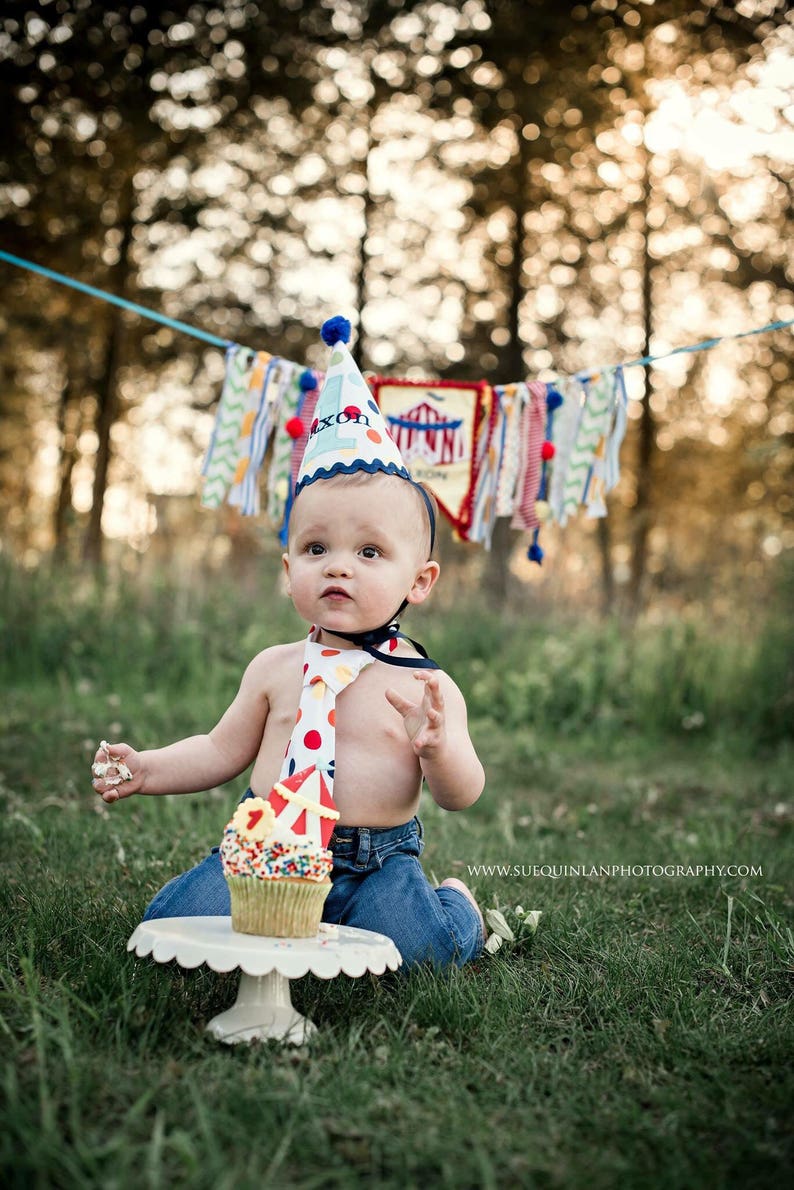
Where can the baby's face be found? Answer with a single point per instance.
(356, 550)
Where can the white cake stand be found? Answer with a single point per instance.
(263, 1008)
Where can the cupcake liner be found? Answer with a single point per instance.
(286, 908)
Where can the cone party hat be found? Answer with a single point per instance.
(348, 432)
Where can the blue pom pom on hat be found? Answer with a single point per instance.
(335, 330)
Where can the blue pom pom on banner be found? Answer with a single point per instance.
(307, 382)
(535, 553)
(553, 400)
(335, 330)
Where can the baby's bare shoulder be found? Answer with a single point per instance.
(274, 664)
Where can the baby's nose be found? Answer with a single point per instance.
(338, 564)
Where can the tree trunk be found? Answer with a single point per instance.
(642, 518)
(107, 389)
(69, 425)
(363, 262)
(512, 365)
(496, 581)
(368, 117)
(607, 580)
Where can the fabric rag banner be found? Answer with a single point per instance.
(452, 430)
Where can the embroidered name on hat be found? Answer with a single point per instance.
(351, 413)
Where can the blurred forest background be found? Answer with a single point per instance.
(493, 189)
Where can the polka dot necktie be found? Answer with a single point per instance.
(326, 673)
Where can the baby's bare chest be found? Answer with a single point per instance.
(361, 710)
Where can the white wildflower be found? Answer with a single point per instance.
(496, 921)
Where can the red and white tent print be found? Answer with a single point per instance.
(304, 805)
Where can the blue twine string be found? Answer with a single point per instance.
(703, 345)
(173, 323)
(197, 333)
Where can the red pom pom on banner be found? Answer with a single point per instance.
(547, 450)
(294, 427)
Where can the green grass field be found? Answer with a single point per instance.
(641, 1036)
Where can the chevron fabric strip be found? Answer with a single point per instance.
(595, 490)
(617, 431)
(231, 352)
(534, 422)
(591, 429)
(221, 461)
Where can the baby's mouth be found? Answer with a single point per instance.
(335, 594)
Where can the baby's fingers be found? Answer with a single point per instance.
(433, 696)
(110, 771)
(400, 704)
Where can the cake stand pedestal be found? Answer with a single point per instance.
(263, 1008)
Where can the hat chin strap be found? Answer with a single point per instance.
(368, 641)
(374, 636)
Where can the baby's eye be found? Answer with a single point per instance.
(370, 551)
(315, 548)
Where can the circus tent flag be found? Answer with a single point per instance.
(435, 426)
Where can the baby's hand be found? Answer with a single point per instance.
(423, 721)
(116, 771)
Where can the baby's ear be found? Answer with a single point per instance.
(424, 582)
(285, 564)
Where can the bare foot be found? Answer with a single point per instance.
(451, 882)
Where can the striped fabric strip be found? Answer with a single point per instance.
(246, 470)
(299, 444)
(245, 493)
(514, 400)
(534, 424)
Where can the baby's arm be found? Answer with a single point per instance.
(438, 731)
(200, 761)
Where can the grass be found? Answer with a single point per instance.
(642, 1036)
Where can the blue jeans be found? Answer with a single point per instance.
(377, 884)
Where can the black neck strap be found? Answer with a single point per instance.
(368, 641)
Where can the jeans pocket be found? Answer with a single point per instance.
(409, 844)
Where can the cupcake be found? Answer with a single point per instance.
(276, 860)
